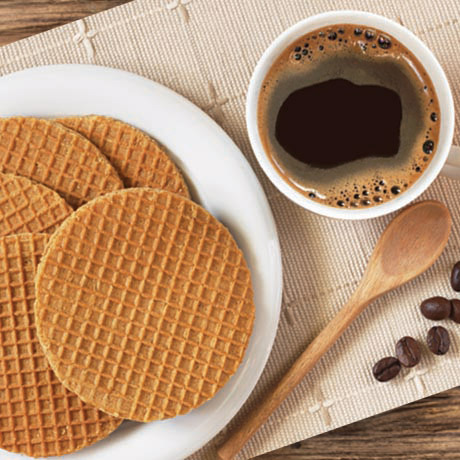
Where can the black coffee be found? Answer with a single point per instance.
(348, 140)
(348, 116)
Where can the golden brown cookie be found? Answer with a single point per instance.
(138, 159)
(144, 304)
(38, 416)
(29, 207)
(57, 157)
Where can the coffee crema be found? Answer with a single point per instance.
(348, 116)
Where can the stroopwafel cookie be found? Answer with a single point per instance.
(144, 304)
(39, 417)
(139, 160)
(29, 207)
(57, 157)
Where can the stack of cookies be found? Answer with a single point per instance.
(120, 298)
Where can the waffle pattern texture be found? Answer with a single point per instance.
(138, 159)
(28, 207)
(38, 416)
(144, 304)
(55, 156)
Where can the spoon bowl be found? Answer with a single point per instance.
(410, 244)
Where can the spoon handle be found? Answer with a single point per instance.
(304, 363)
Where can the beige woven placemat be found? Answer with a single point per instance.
(206, 50)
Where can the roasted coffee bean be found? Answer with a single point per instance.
(455, 312)
(436, 308)
(455, 277)
(386, 369)
(438, 340)
(408, 352)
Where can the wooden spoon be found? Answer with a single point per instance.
(409, 245)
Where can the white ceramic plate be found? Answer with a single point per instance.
(221, 180)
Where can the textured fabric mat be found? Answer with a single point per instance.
(206, 50)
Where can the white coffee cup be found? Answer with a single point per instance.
(446, 158)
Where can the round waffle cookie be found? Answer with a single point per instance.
(144, 304)
(138, 159)
(26, 206)
(55, 156)
(38, 415)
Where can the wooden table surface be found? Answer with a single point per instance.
(428, 429)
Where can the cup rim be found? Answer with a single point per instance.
(428, 61)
